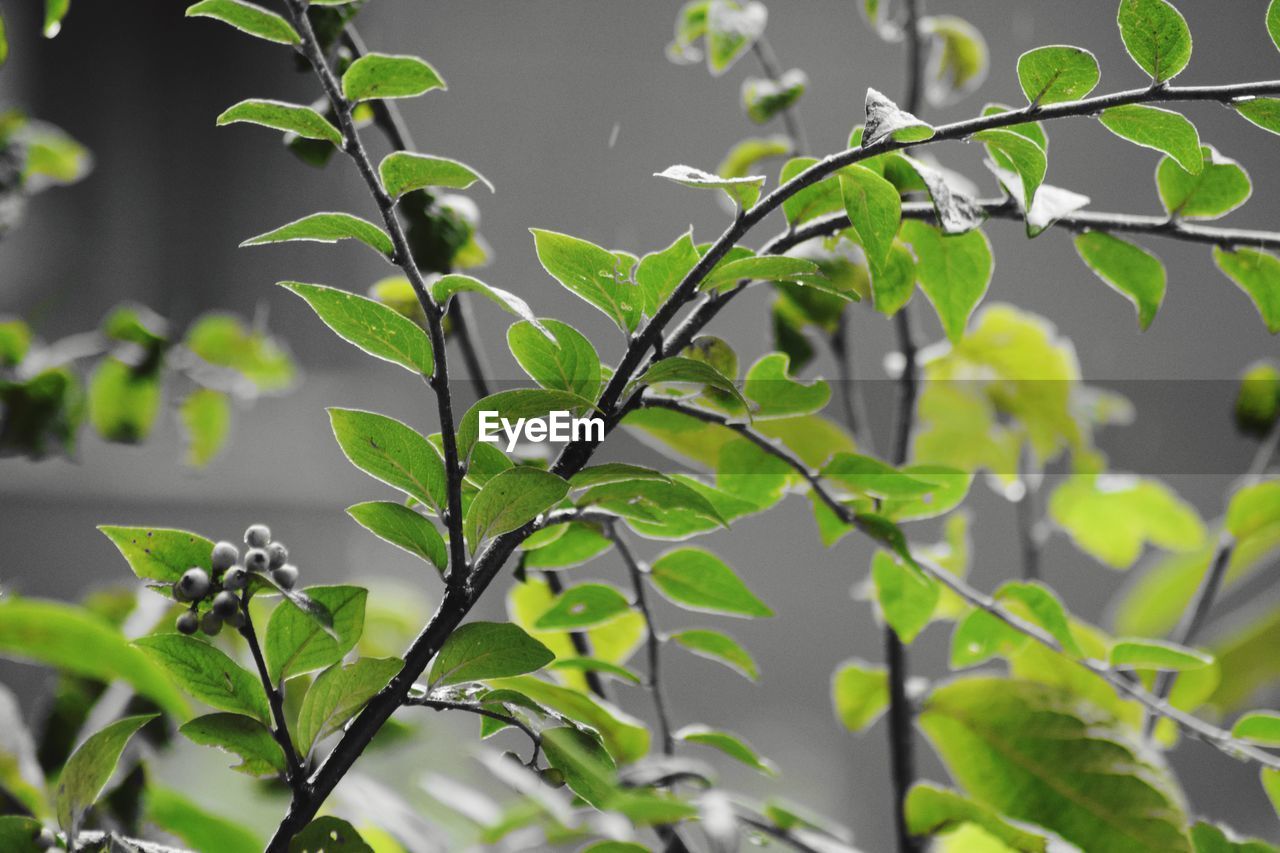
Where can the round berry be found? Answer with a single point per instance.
(257, 536)
(256, 560)
(285, 576)
(235, 578)
(188, 623)
(224, 556)
(277, 555)
(192, 586)
(45, 839)
(225, 604)
(552, 777)
(211, 623)
(235, 620)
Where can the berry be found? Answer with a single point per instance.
(224, 556)
(45, 839)
(256, 560)
(552, 777)
(235, 620)
(277, 555)
(192, 586)
(211, 623)
(225, 604)
(188, 623)
(285, 576)
(235, 579)
(257, 536)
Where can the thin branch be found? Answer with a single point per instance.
(790, 114)
(853, 404)
(480, 710)
(275, 698)
(1031, 531)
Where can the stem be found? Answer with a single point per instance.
(790, 115)
(480, 710)
(1030, 532)
(581, 643)
(275, 698)
(853, 404)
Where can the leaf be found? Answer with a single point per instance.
(447, 285)
(907, 597)
(1041, 605)
(1258, 398)
(57, 634)
(248, 18)
(659, 273)
(329, 834)
(206, 420)
(1273, 23)
(329, 228)
(584, 605)
(860, 692)
(684, 370)
(596, 665)
(728, 743)
(1035, 753)
(1271, 786)
(279, 115)
(718, 646)
(124, 401)
(1207, 838)
(812, 201)
(874, 208)
(405, 171)
(392, 452)
(586, 764)
(778, 395)
(557, 356)
(373, 327)
(1264, 112)
(697, 579)
(870, 476)
(157, 553)
(931, 810)
(957, 213)
(595, 274)
(241, 736)
(763, 98)
(338, 694)
(207, 674)
(513, 405)
(224, 340)
(742, 191)
(743, 156)
(886, 120)
(1130, 270)
(404, 528)
(1161, 129)
(1012, 149)
(1156, 36)
(295, 643)
(1253, 510)
(1050, 75)
(90, 767)
(1111, 517)
(1260, 727)
(954, 272)
(980, 636)
(380, 76)
(200, 829)
(479, 651)
(1157, 655)
(1220, 187)
(510, 500)
(765, 268)
(957, 62)
(1258, 275)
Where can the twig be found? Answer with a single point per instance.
(852, 402)
(275, 698)
(790, 115)
(509, 719)
(1030, 530)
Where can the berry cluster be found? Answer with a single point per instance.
(229, 580)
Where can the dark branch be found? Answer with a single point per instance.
(280, 730)
(480, 710)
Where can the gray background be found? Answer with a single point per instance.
(536, 89)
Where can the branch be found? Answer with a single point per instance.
(275, 698)
(509, 719)
(1031, 530)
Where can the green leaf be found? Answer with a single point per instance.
(623, 736)
(1161, 129)
(447, 285)
(556, 356)
(1273, 22)
(957, 62)
(614, 472)
(894, 282)
(728, 743)
(15, 341)
(683, 370)
(584, 605)
(954, 272)
(874, 208)
(777, 395)
(1207, 838)
(240, 736)
(4, 43)
(279, 115)
(1156, 36)
(907, 597)
(328, 228)
(391, 452)
(870, 476)
(90, 767)
(586, 764)
(295, 643)
(718, 646)
(479, 651)
(207, 674)
(658, 273)
(248, 18)
(1111, 517)
(1271, 785)
(329, 834)
(199, 829)
(157, 553)
(206, 420)
(1036, 753)
(1057, 73)
(373, 327)
(765, 268)
(886, 120)
(338, 694)
(763, 98)
(1258, 275)
(379, 76)
(1253, 510)
(1264, 112)
(1041, 605)
(980, 636)
(224, 340)
(1027, 159)
(731, 29)
(510, 500)
(1260, 727)
(405, 171)
(1130, 270)
(124, 401)
(404, 528)
(603, 667)
(742, 191)
(860, 692)
(1258, 398)
(697, 579)
(1157, 655)
(743, 156)
(597, 275)
(931, 810)
(819, 198)
(1219, 188)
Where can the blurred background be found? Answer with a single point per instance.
(569, 107)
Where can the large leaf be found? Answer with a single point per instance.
(696, 579)
(404, 528)
(373, 327)
(1131, 270)
(931, 810)
(405, 171)
(241, 736)
(328, 228)
(1153, 127)
(1258, 275)
(157, 553)
(597, 275)
(1218, 188)
(1156, 36)
(954, 272)
(338, 694)
(1264, 112)
(208, 674)
(90, 767)
(556, 356)
(248, 18)
(511, 499)
(1036, 753)
(295, 643)
(483, 650)
(279, 115)
(380, 76)
(1113, 517)
(392, 452)
(1057, 73)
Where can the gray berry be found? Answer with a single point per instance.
(235, 579)
(211, 623)
(225, 604)
(236, 620)
(257, 536)
(188, 623)
(256, 560)
(224, 556)
(192, 586)
(277, 555)
(285, 576)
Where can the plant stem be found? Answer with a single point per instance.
(1030, 535)
(275, 698)
(853, 404)
(480, 710)
(790, 115)
(581, 643)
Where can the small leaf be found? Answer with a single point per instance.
(659, 273)
(1260, 727)
(697, 579)
(90, 767)
(603, 667)
(1220, 187)
(447, 285)
(124, 401)
(295, 643)
(868, 475)
(931, 810)
(1156, 36)
(379, 76)
(206, 420)
(1273, 22)
(623, 735)
(980, 636)
(812, 201)
(328, 228)
(1057, 73)
(954, 272)
(874, 208)
(510, 500)
(683, 370)
(1258, 275)
(762, 98)
(777, 395)
(1044, 608)
(479, 651)
(907, 597)
(861, 694)
(373, 327)
(404, 528)
(1253, 510)
(248, 18)
(886, 120)
(1271, 786)
(157, 553)
(587, 766)
(1157, 655)
(392, 452)
(743, 156)
(1258, 398)
(764, 268)
(1012, 149)
(1264, 112)
(957, 213)
(208, 674)
(730, 31)
(743, 191)
(718, 646)
(1161, 129)
(614, 472)
(278, 115)
(405, 171)
(329, 834)
(556, 356)
(241, 736)
(338, 694)
(728, 743)
(1129, 269)
(584, 605)
(597, 275)
(957, 62)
